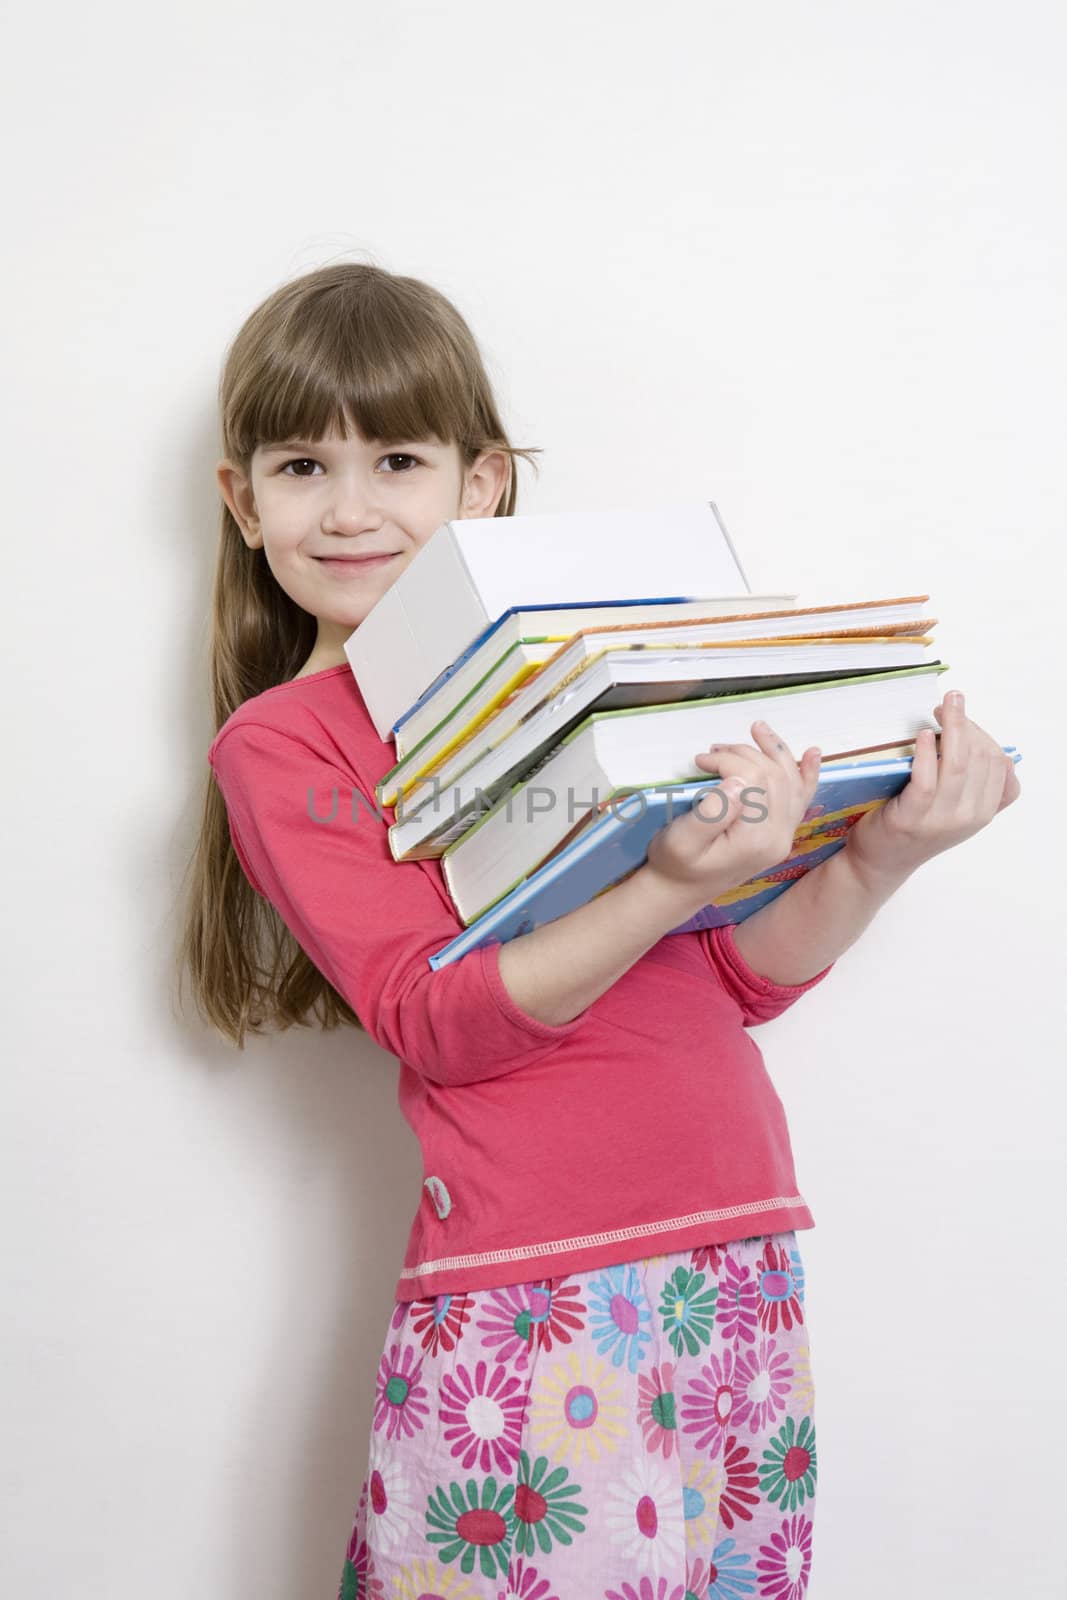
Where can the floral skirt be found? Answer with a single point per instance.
(638, 1432)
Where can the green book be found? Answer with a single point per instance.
(655, 744)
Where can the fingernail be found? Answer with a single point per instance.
(956, 697)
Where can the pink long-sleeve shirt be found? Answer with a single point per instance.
(646, 1124)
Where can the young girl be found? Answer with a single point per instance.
(596, 1380)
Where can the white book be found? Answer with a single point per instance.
(473, 569)
(615, 753)
(445, 813)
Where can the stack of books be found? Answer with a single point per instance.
(541, 742)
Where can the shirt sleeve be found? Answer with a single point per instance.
(311, 842)
(760, 998)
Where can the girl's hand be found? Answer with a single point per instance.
(715, 846)
(944, 801)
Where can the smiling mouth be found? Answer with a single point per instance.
(358, 561)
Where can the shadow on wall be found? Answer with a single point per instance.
(319, 1110)
(368, 1162)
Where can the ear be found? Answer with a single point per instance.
(484, 484)
(237, 493)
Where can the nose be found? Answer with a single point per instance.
(352, 506)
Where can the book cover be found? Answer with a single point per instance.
(615, 841)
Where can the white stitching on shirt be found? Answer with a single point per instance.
(589, 1240)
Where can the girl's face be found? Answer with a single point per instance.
(339, 520)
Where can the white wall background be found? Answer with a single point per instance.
(806, 260)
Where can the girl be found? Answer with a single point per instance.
(596, 1380)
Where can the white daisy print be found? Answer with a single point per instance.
(645, 1516)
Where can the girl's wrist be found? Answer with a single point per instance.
(874, 880)
(666, 901)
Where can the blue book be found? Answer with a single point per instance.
(615, 843)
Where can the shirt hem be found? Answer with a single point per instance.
(494, 1269)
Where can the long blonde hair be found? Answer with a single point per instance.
(346, 343)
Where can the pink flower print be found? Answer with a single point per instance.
(779, 1295)
(439, 1320)
(708, 1407)
(761, 1383)
(359, 1577)
(528, 1316)
(482, 1416)
(662, 1589)
(784, 1565)
(708, 1258)
(656, 1409)
(400, 1312)
(739, 1489)
(736, 1312)
(525, 1584)
(400, 1404)
(557, 1310)
(698, 1578)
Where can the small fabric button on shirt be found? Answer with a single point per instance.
(442, 1200)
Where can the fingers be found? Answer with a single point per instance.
(713, 811)
(1012, 787)
(750, 764)
(768, 770)
(977, 764)
(773, 746)
(955, 748)
(810, 767)
(812, 759)
(769, 744)
(924, 762)
(993, 780)
(775, 749)
(724, 757)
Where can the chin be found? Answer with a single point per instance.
(353, 618)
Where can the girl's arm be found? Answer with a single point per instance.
(312, 844)
(369, 923)
(557, 970)
(808, 926)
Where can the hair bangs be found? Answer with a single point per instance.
(339, 363)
